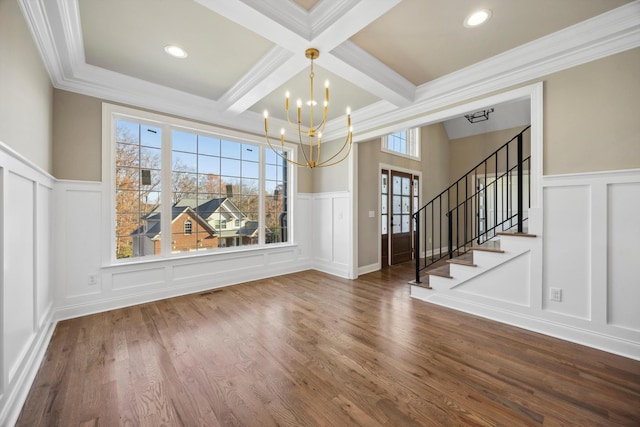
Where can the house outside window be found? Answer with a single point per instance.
(232, 186)
(405, 143)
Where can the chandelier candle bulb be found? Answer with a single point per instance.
(311, 133)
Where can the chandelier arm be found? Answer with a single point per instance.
(325, 163)
(320, 126)
(280, 155)
(304, 154)
(346, 141)
(314, 131)
(289, 121)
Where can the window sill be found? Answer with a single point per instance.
(231, 252)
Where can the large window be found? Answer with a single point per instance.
(404, 143)
(182, 189)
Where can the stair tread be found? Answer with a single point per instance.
(442, 271)
(421, 284)
(461, 262)
(509, 233)
(499, 251)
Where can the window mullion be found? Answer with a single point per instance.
(165, 195)
(262, 218)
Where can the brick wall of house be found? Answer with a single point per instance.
(200, 237)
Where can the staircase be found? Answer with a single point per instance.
(450, 273)
(469, 220)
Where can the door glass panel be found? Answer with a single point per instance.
(395, 228)
(385, 185)
(405, 223)
(385, 218)
(396, 185)
(406, 204)
(406, 186)
(384, 207)
(415, 187)
(397, 205)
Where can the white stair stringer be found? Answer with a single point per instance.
(500, 280)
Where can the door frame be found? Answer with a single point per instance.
(390, 167)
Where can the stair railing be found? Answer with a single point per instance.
(493, 196)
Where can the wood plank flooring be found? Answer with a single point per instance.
(310, 349)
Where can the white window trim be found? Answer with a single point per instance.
(110, 113)
(413, 145)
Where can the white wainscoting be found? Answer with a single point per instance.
(26, 322)
(592, 231)
(332, 235)
(79, 249)
(588, 248)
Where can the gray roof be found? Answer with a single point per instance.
(153, 221)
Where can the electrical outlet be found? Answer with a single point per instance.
(555, 294)
(93, 279)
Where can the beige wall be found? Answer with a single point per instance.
(25, 90)
(590, 123)
(466, 153)
(77, 136)
(305, 180)
(434, 168)
(591, 116)
(331, 178)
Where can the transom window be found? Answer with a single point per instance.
(404, 143)
(179, 187)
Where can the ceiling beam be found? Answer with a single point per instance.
(329, 25)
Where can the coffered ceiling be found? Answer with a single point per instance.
(386, 59)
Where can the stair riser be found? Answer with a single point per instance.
(487, 259)
(515, 243)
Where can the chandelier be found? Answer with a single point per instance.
(310, 137)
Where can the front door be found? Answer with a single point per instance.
(399, 198)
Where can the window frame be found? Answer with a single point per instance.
(111, 114)
(413, 144)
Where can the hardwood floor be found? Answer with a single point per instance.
(311, 349)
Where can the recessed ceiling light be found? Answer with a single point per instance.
(175, 51)
(477, 18)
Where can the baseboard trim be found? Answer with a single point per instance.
(573, 334)
(369, 268)
(16, 395)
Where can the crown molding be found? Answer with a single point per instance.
(60, 43)
(325, 13)
(287, 14)
(604, 35)
(43, 34)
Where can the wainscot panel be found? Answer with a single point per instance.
(140, 278)
(26, 319)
